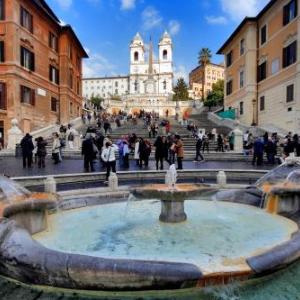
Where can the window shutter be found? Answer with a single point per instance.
(22, 56)
(31, 23)
(2, 56)
(57, 76)
(32, 97)
(32, 63)
(284, 57)
(50, 73)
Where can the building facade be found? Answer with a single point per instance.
(262, 79)
(148, 86)
(40, 67)
(211, 72)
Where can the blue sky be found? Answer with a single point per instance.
(106, 27)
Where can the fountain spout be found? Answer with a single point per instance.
(171, 177)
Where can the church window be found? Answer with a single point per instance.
(135, 86)
(165, 55)
(136, 56)
(165, 85)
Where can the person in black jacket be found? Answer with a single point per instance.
(27, 148)
(41, 152)
(89, 151)
(159, 152)
(198, 150)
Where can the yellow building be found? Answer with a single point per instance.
(212, 73)
(262, 79)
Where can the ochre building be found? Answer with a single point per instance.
(40, 67)
(211, 73)
(262, 79)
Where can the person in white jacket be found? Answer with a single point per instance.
(137, 152)
(108, 156)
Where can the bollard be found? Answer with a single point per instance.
(113, 182)
(221, 179)
(50, 185)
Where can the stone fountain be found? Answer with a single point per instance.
(171, 195)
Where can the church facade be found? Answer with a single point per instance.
(149, 85)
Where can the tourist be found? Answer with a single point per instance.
(245, 137)
(220, 143)
(106, 127)
(258, 152)
(270, 149)
(41, 152)
(145, 151)
(136, 152)
(89, 117)
(27, 148)
(159, 153)
(125, 154)
(89, 151)
(149, 131)
(288, 147)
(172, 150)
(179, 151)
(296, 143)
(56, 148)
(205, 142)
(198, 150)
(231, 141)
(71, 138)
(165, 148)
(108, 155)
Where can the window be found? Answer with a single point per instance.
(3, 96)
(289, 12)
(53, 41)
(289, 54)
(262, 72)
(27, 59)
(27, 95)
(116, 84)
(275, 66)
(263, 34)
(78, 86)
(54, 104)
(229, 59)
(53, 74)
(70, 52)
(2, 51)
(71, 79)
(26, 19)
(2, 9)
(116, 91)
(136, 56)
(165, 85)
(262, 103)
(242, 47)
(135, 86)
(71, 108)
(290, 93)
(229, 87)
(165, 55)
(241, 108)
(242, 79)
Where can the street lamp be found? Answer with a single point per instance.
(254, 113)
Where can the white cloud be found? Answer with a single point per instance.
(65, 4)
(127, 4)
(151, 18)
(218, 20)
(181, 72)
(239, 9)
(97, 65)
(174, 27)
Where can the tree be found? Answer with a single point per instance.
(216, 95)
(181, 90)
(204, 58)
(97, 101)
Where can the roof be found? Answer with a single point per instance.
(221, 65)
(106, 77)
(71, 31)
(41, 4)
(244, 22)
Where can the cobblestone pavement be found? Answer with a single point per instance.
(12, 166)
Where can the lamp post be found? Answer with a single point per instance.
(254, 113)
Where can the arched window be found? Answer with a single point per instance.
(165, 85)
(136, 86)
(165, 55)
(136, 56)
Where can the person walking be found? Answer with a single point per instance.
(159, 153)
(89, 152)
(41, 152)
(231, 141)
(179, 151)
(258, 152)
(270, 149)
(198, 150)
(205, 143)
(125, 153)
(108, 155)
(220, 143)
(56, 148)
(27, 148)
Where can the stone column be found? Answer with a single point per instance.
(15, 135)
(238, 140)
